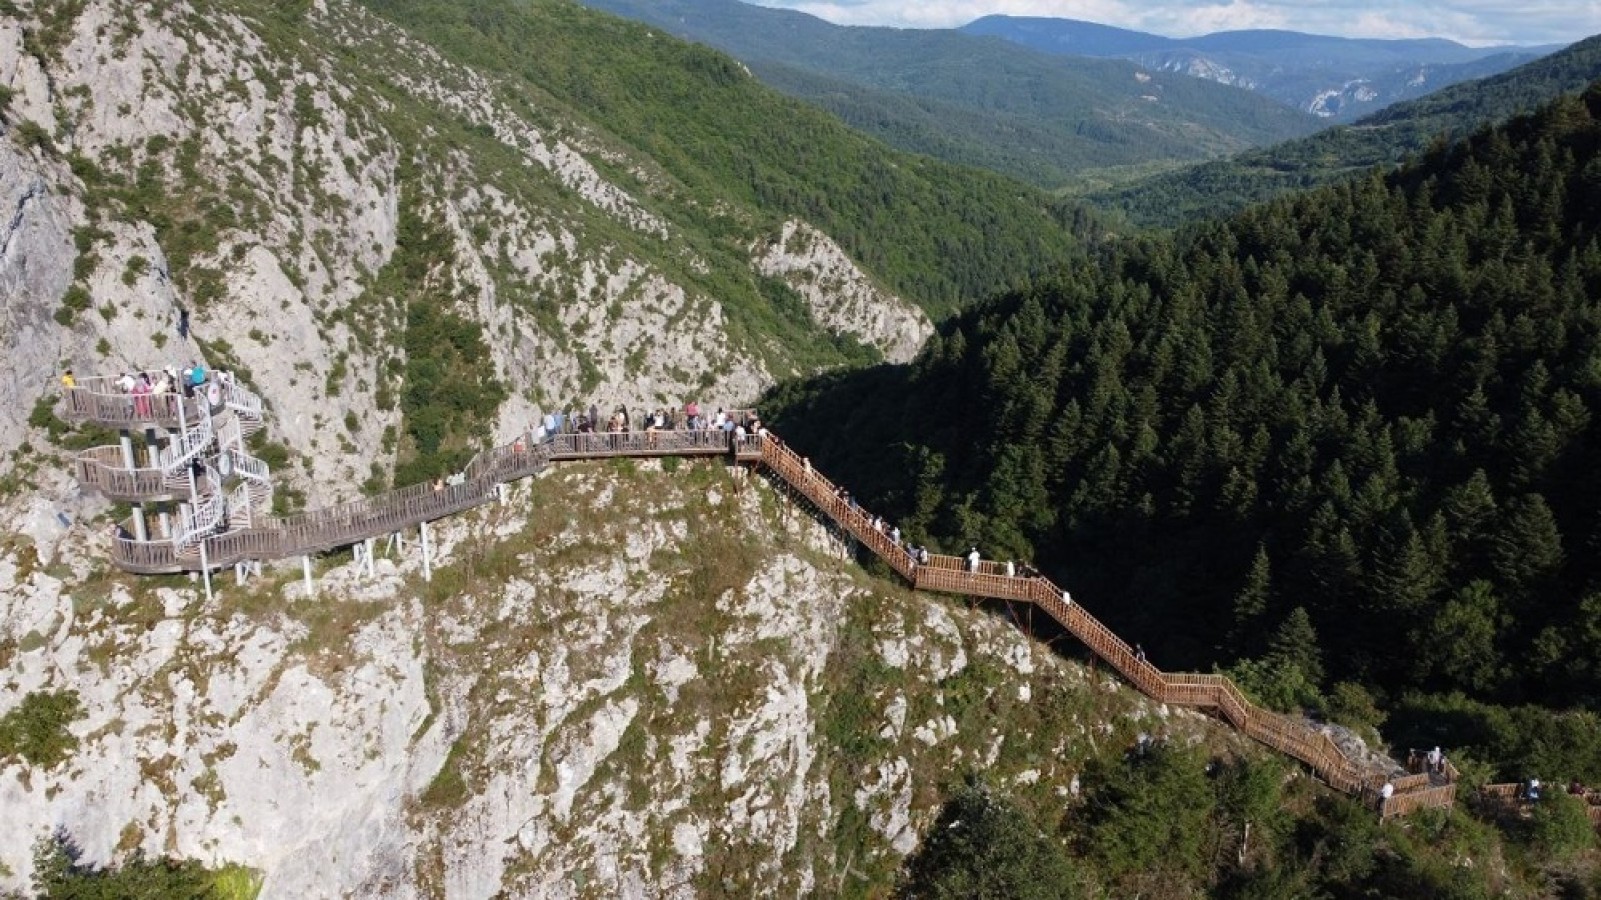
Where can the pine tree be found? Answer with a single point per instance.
(1527, 548)
(1251, 604)
(1295, 645)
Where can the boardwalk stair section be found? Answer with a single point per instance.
(989, 579)
(229, 539)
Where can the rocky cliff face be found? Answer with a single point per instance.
(629, 680)
(208, 158)
(626, 681)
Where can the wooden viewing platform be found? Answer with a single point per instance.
(480, 483)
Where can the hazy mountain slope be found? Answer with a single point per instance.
(1383, 139)
(1339, 79)
(674, 103)
(1066, 114)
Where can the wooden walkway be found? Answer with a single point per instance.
(951, 575)
(480, 483)
(329, 527)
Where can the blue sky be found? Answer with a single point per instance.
(1475, 22)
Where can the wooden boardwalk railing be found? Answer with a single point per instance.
(105, 470)
(951, 574)
(329, 527)
(387, 513)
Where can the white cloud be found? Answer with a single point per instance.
(1475, 22)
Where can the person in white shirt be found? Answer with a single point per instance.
(972, 560)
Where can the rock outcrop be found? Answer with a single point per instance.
(164, 159)
(623, 681)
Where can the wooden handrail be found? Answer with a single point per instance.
(386, 513)
(951, 574)
(104, 469)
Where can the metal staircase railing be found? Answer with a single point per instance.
(198, 520)
(245, 405)
(179, 454)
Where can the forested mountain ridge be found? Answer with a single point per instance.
(939, 234)
(1337, 79)
(1384, 139)
(1032, 115)
(1359, 421)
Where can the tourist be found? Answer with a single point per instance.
(141, 395)
(972, 560)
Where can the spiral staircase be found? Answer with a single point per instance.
(196, 467)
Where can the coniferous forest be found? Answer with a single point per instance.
(1342, 445)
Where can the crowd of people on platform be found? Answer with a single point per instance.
(146, 388)
(736, 425)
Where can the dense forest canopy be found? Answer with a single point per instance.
(1349, 436)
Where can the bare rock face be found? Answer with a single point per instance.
(279, 179)
(624, 682)
(840, 295)
(631, 680)
(35, 270)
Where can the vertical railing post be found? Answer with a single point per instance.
(427, 561)
(205, 570)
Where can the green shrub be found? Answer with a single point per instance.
(59, 872)
(1146, 814)
(1558, 826)
(37, 731)
(982, 845)
(31, 134)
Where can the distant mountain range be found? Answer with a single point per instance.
(982, 101)
(1339, 79)
(1385, 138)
